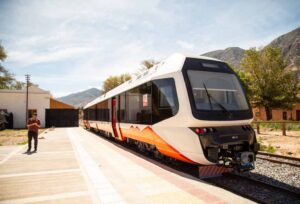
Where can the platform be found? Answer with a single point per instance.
(73, 165)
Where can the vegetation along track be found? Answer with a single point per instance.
(280, 159)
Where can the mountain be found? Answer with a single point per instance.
(80, 99)
(289, 44)
(232, 55)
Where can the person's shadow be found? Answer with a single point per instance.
(29, 153)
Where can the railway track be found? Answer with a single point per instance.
(253, 189)
(280, 159)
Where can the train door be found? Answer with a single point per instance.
(114, 118)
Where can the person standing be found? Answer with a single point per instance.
(33, 126)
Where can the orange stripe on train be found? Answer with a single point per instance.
(148, 135)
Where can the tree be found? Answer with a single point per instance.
(6, 78)
(242, 77)
(145, 65)
(270, 84)
(2, 53)
(114, 81)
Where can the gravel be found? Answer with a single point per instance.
(282, 175)
(253, 191)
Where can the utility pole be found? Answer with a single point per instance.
(27, 77)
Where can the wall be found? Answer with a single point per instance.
(260, 114)
(15, 101)
(54, 104)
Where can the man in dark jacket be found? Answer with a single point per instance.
(33, 126)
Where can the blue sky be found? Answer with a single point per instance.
(71, 45)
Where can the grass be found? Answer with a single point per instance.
(265, 148)
(278, 126)
(14, 136)
(269, 148)
(23, 143)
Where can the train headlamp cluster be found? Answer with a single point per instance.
(201, 131)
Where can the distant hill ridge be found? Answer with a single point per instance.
(289, 44)
(82, 98)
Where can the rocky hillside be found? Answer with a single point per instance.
(232, 55)
(289, 44)
(80, 99)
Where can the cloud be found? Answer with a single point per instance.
(27, 57)
(69, 45)
(185, 45)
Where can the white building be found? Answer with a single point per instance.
(15, 101)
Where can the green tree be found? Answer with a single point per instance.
(114, 81)
(270, 84)
(6, 78)
(2, 53)
(145, 65)
(242, 77)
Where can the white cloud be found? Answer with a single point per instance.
(185, 45)
(78, 43)
(28, 57)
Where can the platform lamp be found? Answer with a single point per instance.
(27, 78)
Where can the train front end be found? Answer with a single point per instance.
(221, 113)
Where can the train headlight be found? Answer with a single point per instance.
(200, 131)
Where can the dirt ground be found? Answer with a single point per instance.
(14, 137)
(285, 145)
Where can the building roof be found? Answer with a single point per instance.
(55, 104)
(31, 89)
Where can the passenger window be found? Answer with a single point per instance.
(166, 98)
(122, 109)
(165, 101)
(138, 104)
(103, 111)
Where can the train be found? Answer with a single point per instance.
(191, 109)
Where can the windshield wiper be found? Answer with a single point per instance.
(229, 115)
(208, 96)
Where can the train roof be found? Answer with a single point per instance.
(171, 64)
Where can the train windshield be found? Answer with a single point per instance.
(216, 91)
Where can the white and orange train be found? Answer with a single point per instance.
(191, 109)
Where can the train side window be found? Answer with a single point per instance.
(165, 101)
(102, 113)
(138, 104)
(92, 113)
(122, 110)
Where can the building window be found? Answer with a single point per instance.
(31, 112)
(284, 115)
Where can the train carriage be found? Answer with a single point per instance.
(192, 109)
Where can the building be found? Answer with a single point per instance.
(278, 114)
(39, 101)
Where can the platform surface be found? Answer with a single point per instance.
(73, 165)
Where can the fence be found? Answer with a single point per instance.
(283, 125)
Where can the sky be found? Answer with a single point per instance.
(72, 45)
